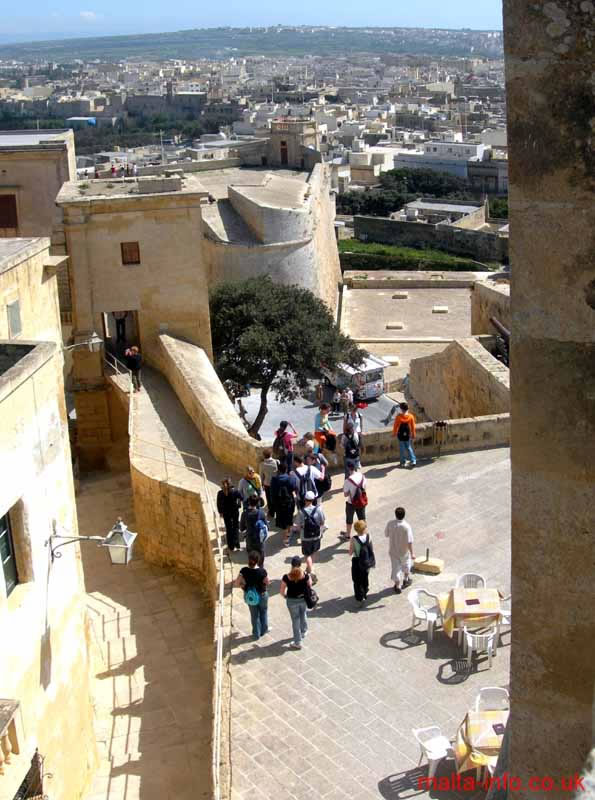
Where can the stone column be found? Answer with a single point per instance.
(550, 49)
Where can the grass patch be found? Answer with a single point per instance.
(370, 255)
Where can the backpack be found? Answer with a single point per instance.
(283, 496)
(404, 432)
(262, 530)
(306, 484)
(351, 448)
(279, 450)
(366, 558)
(311, 527)
(251, 596)
(360, 498)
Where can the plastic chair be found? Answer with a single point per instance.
(434, 746)
(471, 580)
(492, 698)
(505, 613)
(425, 609)
(480, 643)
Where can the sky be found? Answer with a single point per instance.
(58, 18)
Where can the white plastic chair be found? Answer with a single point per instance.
(434, 746)
(505, 613)
(492, 698)
(480, 643)
(425, 609)
(471, 580)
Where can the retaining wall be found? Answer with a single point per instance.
(195, 382)
(489, 300)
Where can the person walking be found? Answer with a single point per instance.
(283, 443)
(353, 417)
(134, 170)
(293, 588)
(404, 430)
(283, 490)
(336, 402)
(268, 467)
(344, 401)
(229, 501)
(113, 170)
(254, 580)
(253, 523)
(249, 486)
(356, 499)
(134, 361)
(307, 475)
(120, 317)
(363, 559)
(400, 550)
(320, 462)
(310, 521)
(351, 443)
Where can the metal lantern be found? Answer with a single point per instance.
(120, 543)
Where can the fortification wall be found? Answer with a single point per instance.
(464, 380)
(480, 245)
(489, 300)
(200, 391)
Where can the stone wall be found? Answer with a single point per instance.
(200, 391)
(480, 245)
(474, 433)
(464, 380)
(44, 659)
(489, 300)
(551, 106)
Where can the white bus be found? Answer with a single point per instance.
(366, 382)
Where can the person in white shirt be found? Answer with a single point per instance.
(269, 466)
(311, 523)
(400, 550)
(355, 499)
(307, 476)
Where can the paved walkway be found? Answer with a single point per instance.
(152, 637)
(334, 720)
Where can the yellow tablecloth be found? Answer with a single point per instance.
(477, 744)
(456, 612)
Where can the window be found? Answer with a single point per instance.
(13, 311)
(130, 252)
(8, 211)
(7, 555)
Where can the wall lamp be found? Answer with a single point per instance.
(119, 542)
(94, 344)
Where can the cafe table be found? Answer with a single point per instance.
(474, 608)
(477, 744)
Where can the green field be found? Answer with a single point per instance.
(368, 255)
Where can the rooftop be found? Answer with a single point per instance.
(43, 138)
(456, 208)
(275, 191)
(14, 251)
(88, 190)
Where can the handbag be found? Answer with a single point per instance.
(310, 597)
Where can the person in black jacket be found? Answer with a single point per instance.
(249, 522)
(134, 363)
(229, 501)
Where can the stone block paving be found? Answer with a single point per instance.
(334, 720)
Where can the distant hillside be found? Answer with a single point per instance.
(226, 42)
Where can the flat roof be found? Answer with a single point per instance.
(276, 192)
(16, 250)
(449, 207)
(33, 138)
(142, 186)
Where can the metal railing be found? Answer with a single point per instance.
(218, 618)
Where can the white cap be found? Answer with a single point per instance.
(310, 496)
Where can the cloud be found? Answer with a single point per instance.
(89, 16)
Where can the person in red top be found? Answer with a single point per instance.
(404, 430)
(283, 444)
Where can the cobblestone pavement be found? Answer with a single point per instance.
(334, 720)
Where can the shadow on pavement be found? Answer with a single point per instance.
(414, 782)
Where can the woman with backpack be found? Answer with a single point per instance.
(254, 581)
(283, 444)
(362, 560)
(294, 587)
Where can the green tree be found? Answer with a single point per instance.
(274, 337)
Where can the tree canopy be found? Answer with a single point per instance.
(274, 337)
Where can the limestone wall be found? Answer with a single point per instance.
(549, 77)
(475, 433)
(489, 300)
(481, 245)
(200, 391)
(44, 662)
(463, 380)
